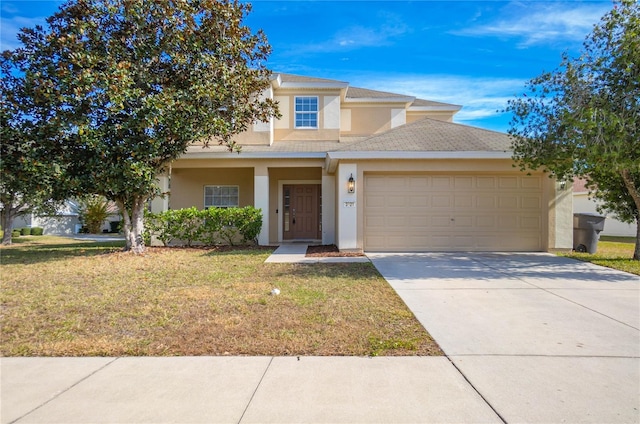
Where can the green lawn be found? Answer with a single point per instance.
(613, 252)
(62, 297)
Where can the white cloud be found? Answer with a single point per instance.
(9, 28)
(537, 23)
(386, 32)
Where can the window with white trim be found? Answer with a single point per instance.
(221, 196)
(306, 112)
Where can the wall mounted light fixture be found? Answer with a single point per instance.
(351, 185)
(563, 185)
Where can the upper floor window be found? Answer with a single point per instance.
(221, 196)
(306, 112)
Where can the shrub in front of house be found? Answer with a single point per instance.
(209, 227)
(15, 233)
(37, 231)
(25, 231)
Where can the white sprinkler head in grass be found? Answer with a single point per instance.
(275, 292)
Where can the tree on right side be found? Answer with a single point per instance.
(583, 118)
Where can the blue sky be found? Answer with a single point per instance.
(477, 54)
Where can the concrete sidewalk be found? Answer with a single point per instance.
(238, 390)
(296, 253)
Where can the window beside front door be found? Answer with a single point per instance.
(306, 112)
(221, 196)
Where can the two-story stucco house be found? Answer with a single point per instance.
(375, 171)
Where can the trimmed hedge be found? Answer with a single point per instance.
(25, 231)
(15, 233)
(37, 231)
(209, 227)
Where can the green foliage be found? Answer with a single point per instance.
(93, 212)
(135, 82)
(583, 119)
(32, 176)
(207, 227)
(25, 231)
(15, 233)
(37, 231)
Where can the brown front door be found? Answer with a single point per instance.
(301, 212)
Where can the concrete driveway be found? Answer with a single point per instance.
(541, 338)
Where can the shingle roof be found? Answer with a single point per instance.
(423, 103)
(301, 78)
(429, 135)
(358, 93)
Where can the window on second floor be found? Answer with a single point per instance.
(306, 112)
(221, 196)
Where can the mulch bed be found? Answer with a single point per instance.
(329, 250)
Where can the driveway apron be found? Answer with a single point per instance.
(540, 337)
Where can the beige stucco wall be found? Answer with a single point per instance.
(366, 120)
(251, 137)
(187, 185)
(560, 203)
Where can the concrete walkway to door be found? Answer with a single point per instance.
(541, 338)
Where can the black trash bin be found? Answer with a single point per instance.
(586, 231)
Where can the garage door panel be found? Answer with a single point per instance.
(474, 213)
(531, 182)
(531, 203)
(508, 182)
(486, 202)
(441, 201)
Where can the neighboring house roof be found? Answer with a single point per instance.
(580, 185)
(433, 135)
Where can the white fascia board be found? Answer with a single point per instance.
(379, 100)
(318, 85)
(255, 155)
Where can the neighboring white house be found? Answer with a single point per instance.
(583, 204)
(64, 222)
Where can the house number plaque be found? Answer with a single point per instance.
(349, 204)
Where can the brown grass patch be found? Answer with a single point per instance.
(66, 298)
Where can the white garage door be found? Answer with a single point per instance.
(453, 213)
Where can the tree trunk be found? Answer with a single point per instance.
(635, 195)
(636, 251)
(8, 215)
(133, 224)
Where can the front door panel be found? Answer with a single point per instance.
(301, 212)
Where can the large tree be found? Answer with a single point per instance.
(30, 173)
(583, 119)
(138, 81)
